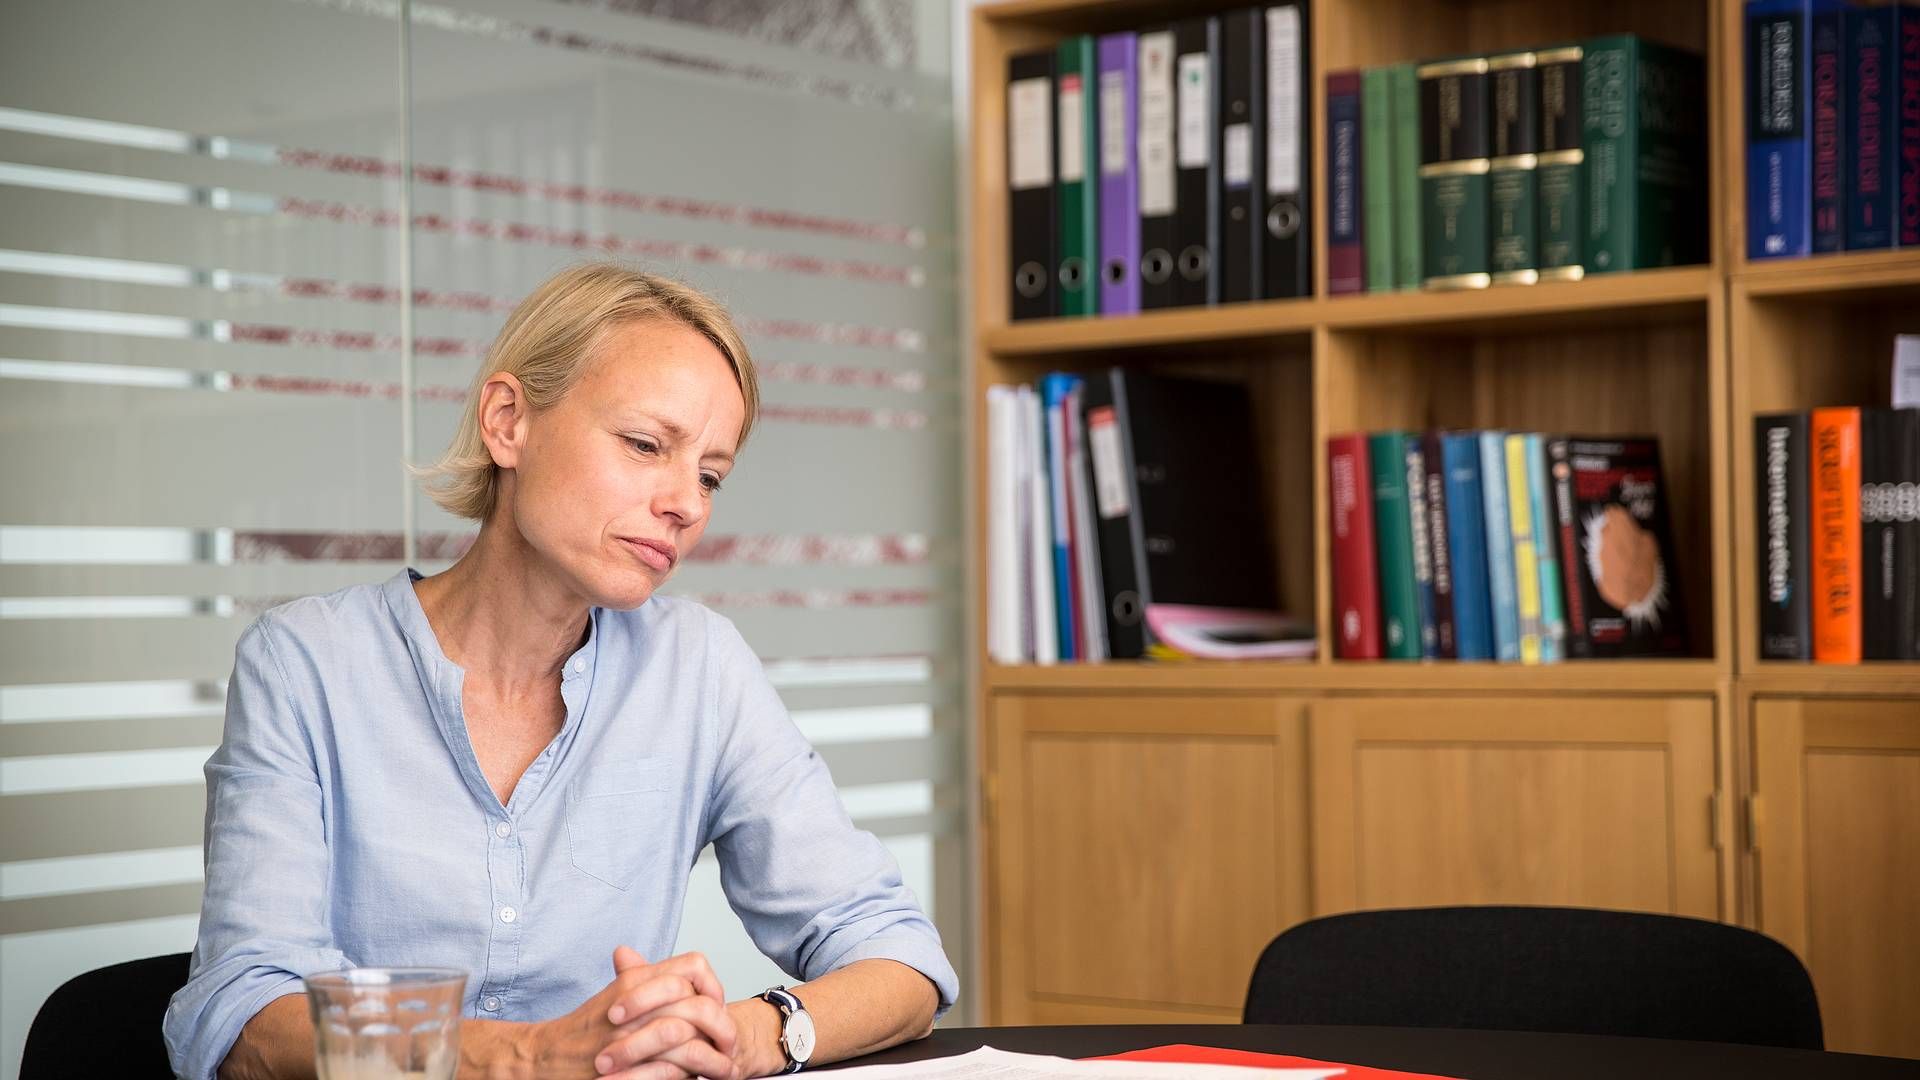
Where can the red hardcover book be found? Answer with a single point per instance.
(1356, 578)
(1185, 1054)
(1835, 434)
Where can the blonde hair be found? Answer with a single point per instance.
(546, 343)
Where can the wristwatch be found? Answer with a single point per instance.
(796, 1028)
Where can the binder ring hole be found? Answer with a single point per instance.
(1073, 273)
(1126, 608)
(1283, 221)
(1194, 263)
(1030, 279)
(1116, 271)
(1157, 267)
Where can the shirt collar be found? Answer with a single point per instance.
(404, 602)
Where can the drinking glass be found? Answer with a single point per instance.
(377, 1023)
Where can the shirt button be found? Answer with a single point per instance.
(492, 1004)
(579, 665)
(503, 830)
(507, 914)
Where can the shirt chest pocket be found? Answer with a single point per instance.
(615, 824)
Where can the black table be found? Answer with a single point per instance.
(1472, 1055)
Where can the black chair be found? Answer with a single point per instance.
(1569, 970)
(105, 1022)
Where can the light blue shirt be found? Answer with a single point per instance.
(348, 821)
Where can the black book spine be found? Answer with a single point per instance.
(1197, 158)
(1117, 515)
(1243, 153)
(1889, 449)
(1154, 149)
(1783, 529)
(1288, 259)
(1032, 231)
(1441, 543)
(1567, 536)
(1906, 506)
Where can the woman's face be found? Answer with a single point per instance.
(614, 484)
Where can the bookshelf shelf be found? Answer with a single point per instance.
(1641, 297)
(1599, 677)
(1792, 679)
(1830, 276)
(1268, 320)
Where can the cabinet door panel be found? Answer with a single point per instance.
(1839, 859)
(1594, 802)
(1142, 847)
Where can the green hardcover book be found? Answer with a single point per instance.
(1513, 249)
(1405, 91)
(1453, 174)
(1560, 178)
(1393, 536)
(1377, 227)
(1078, 208)
(1644, 133)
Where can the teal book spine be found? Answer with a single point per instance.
(1393, 536)
(1405, 91)
(1644, 130)
(1499, 532)
(1078, 207)
(1377, 227)
(1546, 543)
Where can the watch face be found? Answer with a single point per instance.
(799, 1036)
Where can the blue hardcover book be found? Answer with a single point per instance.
(1546, 544)
(1827, 137)
(1779, 101)
(1054, 389)
(1871, 78)
(1499, 545)
(1467, 547)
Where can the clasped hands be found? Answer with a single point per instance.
(655, 1021)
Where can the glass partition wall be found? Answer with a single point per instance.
(227, 317)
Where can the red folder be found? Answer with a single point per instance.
(1185, 1054)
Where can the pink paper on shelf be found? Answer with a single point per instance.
(1189, 1054)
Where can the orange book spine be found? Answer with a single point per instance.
(1836, 535)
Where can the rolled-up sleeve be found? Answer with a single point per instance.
(263, 918)
(814, 892)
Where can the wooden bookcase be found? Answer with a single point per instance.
(1147, 828)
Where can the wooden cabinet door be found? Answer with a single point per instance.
(1143, 848)
(1568, 800)
(1837, 784)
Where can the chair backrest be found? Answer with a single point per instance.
(106, 1022)
(1571, 970)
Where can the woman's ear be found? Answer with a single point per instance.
(503, 418)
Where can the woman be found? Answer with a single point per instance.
(511, 766)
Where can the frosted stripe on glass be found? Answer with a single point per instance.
(91, 772)
(88, 873)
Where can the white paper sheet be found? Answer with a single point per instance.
(988, 1063)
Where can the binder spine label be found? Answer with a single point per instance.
(1030, 121)
(1236, 153)
(1195, 111)
(1113, 123)
(1156, 124)
(1073, 130)
(1283, 101)
(1109, 470)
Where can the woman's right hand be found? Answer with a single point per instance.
(689, 1039)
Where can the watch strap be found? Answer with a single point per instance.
(780, 998)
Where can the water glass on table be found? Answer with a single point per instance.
(387, 1023)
